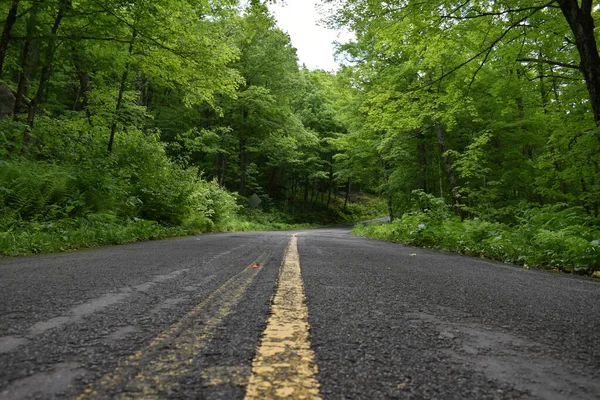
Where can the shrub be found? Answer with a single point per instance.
(549, 237)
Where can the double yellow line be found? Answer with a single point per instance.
(282, 368)
(284, 365)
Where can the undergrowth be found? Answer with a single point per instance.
(552, 237)
(134, 194)
(71, 234)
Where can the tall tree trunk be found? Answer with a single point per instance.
(421, 160)
(84, 88)
(543, 91)
(243, 168)
(5, 38)
(220, 168)
(142, 85)
(387, 194)
(23, 80)
(330, 183)
(122, 87)
(293, 190)
(581, 22)
(84, 80)
(27, 62)
(306, 187)
(348, 187)
(46, 67)
(449, 169)
(272, 180)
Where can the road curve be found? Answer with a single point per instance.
(307, 314)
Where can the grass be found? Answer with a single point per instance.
(65, 235)
(94, 230)
(73, 234)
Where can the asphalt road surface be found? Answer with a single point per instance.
(307, 314)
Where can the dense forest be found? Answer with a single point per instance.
(473, 124)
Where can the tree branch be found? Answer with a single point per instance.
(75, 37)
(489, 47)
(550, 62)
(568, 78)
(495, 14)
(145, 36)
(458, 7)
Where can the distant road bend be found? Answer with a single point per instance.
(308, 314)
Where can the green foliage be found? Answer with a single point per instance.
(136, 189)
(215, 205)
(274, 220)
(552, 237)
(10, 137)
(361, 208)
(34, 191)
(77, 233)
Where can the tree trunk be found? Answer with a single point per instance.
(306, 187)
(84, 80)
(387, 194)
(348, 187)
(330, 184)
(421, 160)
(27, 62)
(581, 22)
(142, 85)
(23, 79)
(220, 168)
(122, 87)
(449, 168)
(46, 68)
(5, 38)
(558, 169)
(272, 179)
(293, 191)
(243, 168)
(543, 92)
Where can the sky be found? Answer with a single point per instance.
(314, 42)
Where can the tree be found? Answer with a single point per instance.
(465, 97)
(268, 65)
(189, 38)
(9, 22)
(506, 21)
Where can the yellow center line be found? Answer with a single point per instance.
(284, 365)
(152, 372)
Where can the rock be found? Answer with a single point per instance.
(7, 100)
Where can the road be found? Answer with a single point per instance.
(307, 314)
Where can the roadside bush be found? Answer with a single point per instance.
(105, 198)
(161, 189)
(552, 237)
(213, 207)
